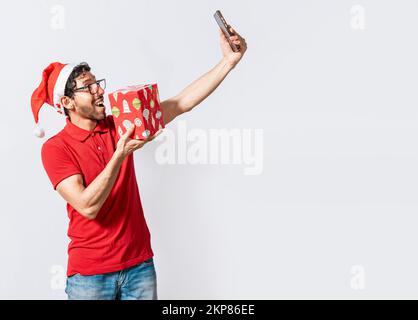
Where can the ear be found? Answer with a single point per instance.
(67, 102)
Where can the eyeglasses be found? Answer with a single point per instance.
(93, 87)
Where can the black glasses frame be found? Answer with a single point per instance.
(99, 83)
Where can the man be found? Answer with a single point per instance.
(110, 255)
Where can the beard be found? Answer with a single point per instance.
(93, 112)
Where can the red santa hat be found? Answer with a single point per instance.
(50, 90)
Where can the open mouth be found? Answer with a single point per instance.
(99, 103)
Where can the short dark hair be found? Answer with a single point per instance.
(71, 84)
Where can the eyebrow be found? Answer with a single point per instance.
(89, 80)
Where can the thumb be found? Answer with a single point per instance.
(129, 132)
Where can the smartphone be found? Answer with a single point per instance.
(225, 29)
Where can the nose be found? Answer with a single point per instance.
(100, 90)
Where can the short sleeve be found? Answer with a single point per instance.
(58, 162)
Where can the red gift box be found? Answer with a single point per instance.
(139, 106)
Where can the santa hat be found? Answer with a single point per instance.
(50, 90)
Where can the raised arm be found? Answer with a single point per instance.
(201, 88)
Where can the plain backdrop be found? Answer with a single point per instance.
(332, 86)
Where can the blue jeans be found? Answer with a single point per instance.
(136, 283)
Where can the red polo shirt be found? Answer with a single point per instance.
(119, 237)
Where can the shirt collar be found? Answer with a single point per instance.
(81, 134)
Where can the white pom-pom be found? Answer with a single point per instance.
(39, 132)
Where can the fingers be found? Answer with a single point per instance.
(128, 133)
(234, 32)
(155, 135)
(136, 144)
(236, 38)
(238, 41)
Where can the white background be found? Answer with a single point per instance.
(333, 213)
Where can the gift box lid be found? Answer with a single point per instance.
(134, 88)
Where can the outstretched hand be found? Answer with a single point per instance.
(233, 57)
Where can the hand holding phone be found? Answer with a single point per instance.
(226, 30)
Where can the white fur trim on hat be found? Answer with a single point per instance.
(59, 87)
